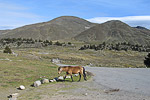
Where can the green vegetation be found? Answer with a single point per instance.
(7, 50)
(25, 42)
(147, 60)
(118, 47)
(24, 69)
(27, 65)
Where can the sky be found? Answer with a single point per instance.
(17, 13)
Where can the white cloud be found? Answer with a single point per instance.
(131, 20)
(13, 16)
(8, 6)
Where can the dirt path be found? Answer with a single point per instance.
(128, 79)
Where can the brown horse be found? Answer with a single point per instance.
(72, 70)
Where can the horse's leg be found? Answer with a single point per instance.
(71, 77)
(85, 77)
(65, 76)
(84, 74)
(79, 77)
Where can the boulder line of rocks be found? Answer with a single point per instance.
(36, 84)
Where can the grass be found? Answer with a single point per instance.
(29, 66)
(25, 72)
(33, 63)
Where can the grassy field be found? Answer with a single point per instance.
(32, 64)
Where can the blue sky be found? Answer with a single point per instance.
(16, 13)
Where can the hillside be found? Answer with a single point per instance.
(59, 28)
(115, 31)
(4, 31)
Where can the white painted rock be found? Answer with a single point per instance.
(45, 81)
(68, 76)
(37, 83)
(55, 60)
(76, 74)
(21, 87)
(51, 80)
(60, 78)
(14, 95)
(54, 80)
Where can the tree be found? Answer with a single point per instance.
(69, 43)
(58, 43)
(7, 50)
(147, 60)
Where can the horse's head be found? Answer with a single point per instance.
(59, 70)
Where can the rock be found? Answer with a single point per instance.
(45, 81)
(54, 80)
(60, 78)
(76, 74)
(14, 54)
(86, 94)
(51, 80)
(55, 60)
(68, 76)
(21, 87)
(13, 96)
(37, 83)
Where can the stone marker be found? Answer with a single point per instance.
(37, 83)
(45, 81)
(51, 80)
(68, 76)
(76, 75)
(60, 78)
(21, 87)
(13, 96)
(55, 79)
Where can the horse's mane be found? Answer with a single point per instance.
(62, 67)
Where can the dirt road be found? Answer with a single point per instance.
(136, 80)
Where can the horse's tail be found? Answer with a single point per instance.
(84, 74)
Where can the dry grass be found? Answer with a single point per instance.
(33, 63)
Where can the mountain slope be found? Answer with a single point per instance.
(58, 28)
(114, 32)
(4, 31)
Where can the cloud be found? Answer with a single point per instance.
(8, 6)
(131, 20)
(13, 16)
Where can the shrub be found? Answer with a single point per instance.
(147, 61)
(7, 50)
(58, 43)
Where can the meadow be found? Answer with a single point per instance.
(27, 65)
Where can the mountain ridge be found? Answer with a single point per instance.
(59, 28)
(115, 31)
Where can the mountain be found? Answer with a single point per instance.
(114, 32)
(59, 28)
(140, 27)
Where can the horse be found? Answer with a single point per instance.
(72, 70)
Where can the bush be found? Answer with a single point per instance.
(147, 61)
(58, 43)
(7, 50)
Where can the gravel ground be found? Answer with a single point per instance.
(135, 80)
